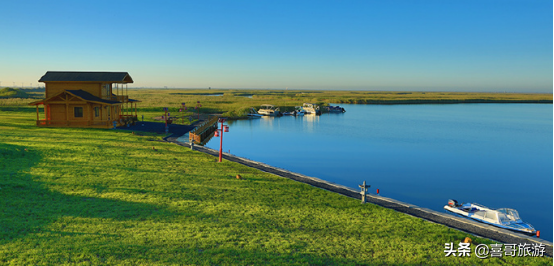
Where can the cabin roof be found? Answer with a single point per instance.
(85, 96)
(89, 97)
(108, 77)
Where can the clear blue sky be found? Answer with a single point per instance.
(447, 45)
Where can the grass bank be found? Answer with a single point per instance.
(234, 103)
(93, 196)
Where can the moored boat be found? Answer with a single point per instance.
(504, 218)
(310, 108)
(253, 114)
(298, 111)
(269, 110)
(335, 109)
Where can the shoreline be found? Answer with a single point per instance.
(449, 101)
(458, 223)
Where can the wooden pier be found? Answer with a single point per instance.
(204, 132)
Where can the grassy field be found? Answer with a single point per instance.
(97, 197)
(235, 103)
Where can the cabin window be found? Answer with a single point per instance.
(78, 112)
(106, 90)
(96, 111)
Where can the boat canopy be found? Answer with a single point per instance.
(508, 215)
(267, 106)
(500, 216)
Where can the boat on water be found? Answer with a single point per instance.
(298, 111)
(253, 114)
(269, 110)
(335, 109)
(310, 108)
(503, 218)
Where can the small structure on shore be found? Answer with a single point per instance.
(204, 132)
(364, 188)
(86, 99)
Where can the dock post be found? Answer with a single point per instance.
(364, 188)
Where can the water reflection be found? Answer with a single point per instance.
(269, 122)
(311, 121)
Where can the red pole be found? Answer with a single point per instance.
(221, 142)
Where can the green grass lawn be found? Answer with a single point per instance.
(96, 197)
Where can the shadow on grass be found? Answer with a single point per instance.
(29, 206)
(21, 109)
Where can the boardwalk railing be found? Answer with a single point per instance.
(204, 130)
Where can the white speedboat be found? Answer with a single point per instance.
(311, 108)
(270, 110)
(503, 218)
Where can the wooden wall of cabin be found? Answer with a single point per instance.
(85, 114)
(59, 115)
(97, 112)
(111, 113)
(47, 113)
(53, 88)
(105, 94)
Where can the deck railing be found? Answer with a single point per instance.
(83, 123)
(45, 122)
(119, 98)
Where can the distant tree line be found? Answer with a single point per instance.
(13, 93)
(39, 89)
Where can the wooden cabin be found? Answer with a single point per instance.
(86, 99)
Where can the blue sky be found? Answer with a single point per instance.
(443, 45)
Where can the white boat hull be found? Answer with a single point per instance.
(269, 113)
(254, 116)
(519, 227)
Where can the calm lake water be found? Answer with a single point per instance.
(498, 155)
